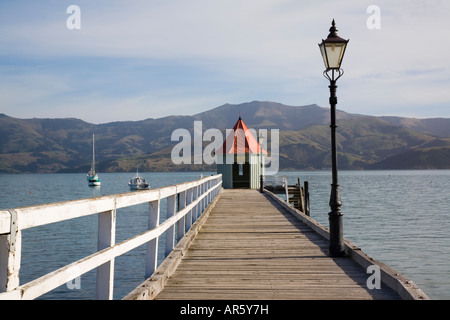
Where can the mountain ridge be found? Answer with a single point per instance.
(364, 142)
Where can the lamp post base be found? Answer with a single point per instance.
(336, 246)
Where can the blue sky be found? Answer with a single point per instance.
(132, 60)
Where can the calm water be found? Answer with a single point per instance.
(401, 218)
(50, 247)
(398, 217)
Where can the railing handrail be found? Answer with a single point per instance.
(275, 180)
(194, 198)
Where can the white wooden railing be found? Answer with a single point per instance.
(193, 197)
(279, 182)
(274, 181)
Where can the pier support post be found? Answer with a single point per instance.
(306, 197)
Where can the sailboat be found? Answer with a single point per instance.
(92, 176)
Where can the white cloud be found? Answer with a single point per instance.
(194, 54)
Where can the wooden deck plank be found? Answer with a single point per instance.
(251, 248)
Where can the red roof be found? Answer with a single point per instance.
(233, 143)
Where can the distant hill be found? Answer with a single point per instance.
(421, 158)
(364, 142)
(269, 115)
(439, 127)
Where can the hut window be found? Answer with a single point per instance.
(241, 169)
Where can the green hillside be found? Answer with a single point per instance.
(364, 142)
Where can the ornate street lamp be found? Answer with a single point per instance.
(332, 50)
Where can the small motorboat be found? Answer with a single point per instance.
(138, 183)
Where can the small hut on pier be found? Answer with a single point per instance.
(240, 159)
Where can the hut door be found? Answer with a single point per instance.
(241, 175)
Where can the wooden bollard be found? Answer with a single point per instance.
(306, 198)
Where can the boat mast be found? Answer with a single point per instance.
(93, 153)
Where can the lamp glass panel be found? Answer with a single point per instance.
(335, 52)
(324, 56)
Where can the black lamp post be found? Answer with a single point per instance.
(332, 50)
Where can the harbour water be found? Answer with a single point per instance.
(398, 217)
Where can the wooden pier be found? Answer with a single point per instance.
(250, 245)
(219, 244)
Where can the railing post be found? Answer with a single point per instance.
(217, 189)
(209, 192)
(170, 233)
(202, 202)
(152, 245)
(195, 211)
(181, 224)
(206, 194)
(189, 214)
(4, 261)
(106, 239)
(10, 255)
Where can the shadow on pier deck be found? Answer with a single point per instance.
(249, 246)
